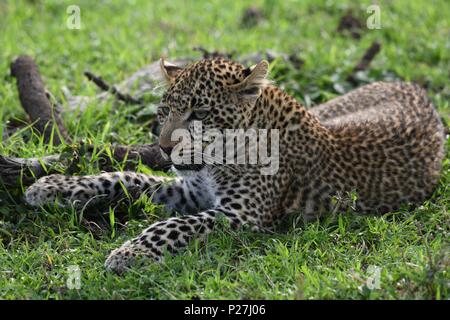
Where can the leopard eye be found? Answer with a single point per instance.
(199, 114)
(165, 110)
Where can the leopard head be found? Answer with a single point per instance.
(216, 93)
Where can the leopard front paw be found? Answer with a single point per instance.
(120, 259)
(123, 257)
(44, 191)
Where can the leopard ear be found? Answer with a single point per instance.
(169, 70)
(256, 80)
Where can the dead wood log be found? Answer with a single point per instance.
(148, 154)
(34, 100)
(17, 172)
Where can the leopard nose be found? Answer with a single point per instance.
(167, 150)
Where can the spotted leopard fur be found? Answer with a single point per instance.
(383, 140)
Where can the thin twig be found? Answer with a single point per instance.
(106, 87)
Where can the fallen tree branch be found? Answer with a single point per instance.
(106, 87)
(365, 61)
(34, 100)
(148, 154)
(15, 172)
(28, 169)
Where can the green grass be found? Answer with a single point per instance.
(327, 259)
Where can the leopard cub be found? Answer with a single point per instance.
(384, 141)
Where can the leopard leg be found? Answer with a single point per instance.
(176, 194)
(92, 189)
(171, 235)
(185, 196)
